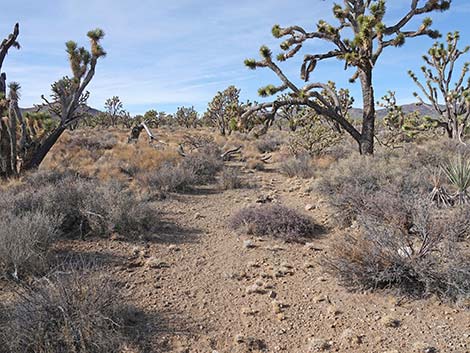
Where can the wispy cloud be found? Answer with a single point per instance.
(167, 53)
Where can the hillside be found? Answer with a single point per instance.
(42, 108)
(424, 109)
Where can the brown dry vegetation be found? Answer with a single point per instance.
(117, 247)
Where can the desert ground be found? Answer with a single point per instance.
(199, 286)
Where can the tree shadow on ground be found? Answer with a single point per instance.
(151, 332)
(169, 233)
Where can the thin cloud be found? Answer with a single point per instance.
(170, 53)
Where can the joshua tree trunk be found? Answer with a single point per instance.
(5, 150)
(366, 142)
(42, 150)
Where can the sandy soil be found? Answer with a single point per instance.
(194, 281)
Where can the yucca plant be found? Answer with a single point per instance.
(458, 173)
(439, 194)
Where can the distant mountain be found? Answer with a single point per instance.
(423, 109)
(42, 108)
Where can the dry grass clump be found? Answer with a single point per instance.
(230, 179)
(25, 242)
(198, 168)
(301, 166)
(106, 156)
(269, 143)
(274, 221)
(71, 312)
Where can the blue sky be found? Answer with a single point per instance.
(164, 54)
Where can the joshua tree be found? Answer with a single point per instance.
(6, 161)
(186, 117)
(68, 95)
(441, 88)
(370, 36)
(224, 109)
(7, 43)
(114, 109)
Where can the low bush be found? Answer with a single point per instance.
(410, 249)
(171, 177)
(71, 312)
(269, 144)
(300, 166)
(25, 242)
(84, 206)
(275, 221)
(204, 165)
(230, 179)
(348, 184)
(198, 168)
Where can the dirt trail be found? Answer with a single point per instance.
(197, 279)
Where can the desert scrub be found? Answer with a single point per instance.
(230, 179)
(348, 184)
(269, 143)
(275, 221)
(300, 166)
(198, 168)
(84, 206)
(70, 312)
(411, 250)
(25, 243)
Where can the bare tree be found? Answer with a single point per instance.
(449, 98)
(370, 36)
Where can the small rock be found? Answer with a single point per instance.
(249, 311)
(277, 309)
(272, 294)
(153, 262)
(197, 215)
(334, 311)
(308, 265)
(253, 264)
(251, 342)
(309, 207)
(350, 336)
(173, 248)
(390, 321)
(255, 289)
(248, 244)
(319, 345)
(312, 246)
(421, 347)
(264, 199)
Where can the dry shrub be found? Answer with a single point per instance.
(106, 156)
(275, 221)
(72, 312)
(255, 164)
(349, 183)
(300, 166)
(25, 242)
(204, 164)
(269, 143)
(402, 244)
(198, 168)
(230, 179)
(84, 206)
(171, 177)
